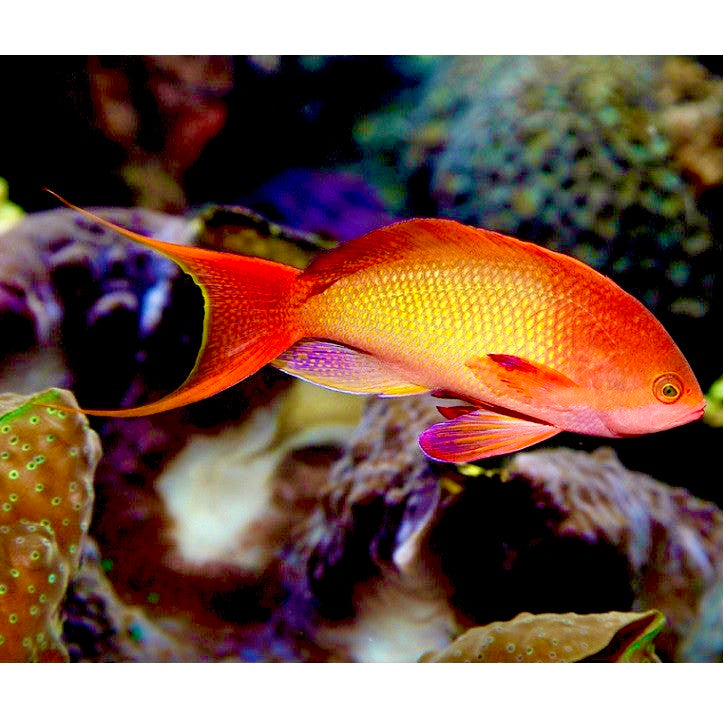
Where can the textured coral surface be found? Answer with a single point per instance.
(47, 460)
(545, 638)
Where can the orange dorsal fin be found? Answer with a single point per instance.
(246, 316)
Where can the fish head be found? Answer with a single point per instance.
(660, 391)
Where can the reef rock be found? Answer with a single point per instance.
(400, 544)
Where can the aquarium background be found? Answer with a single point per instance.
(276, 522)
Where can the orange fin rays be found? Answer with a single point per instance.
(247, 304)
(480, 434)
(528, 379)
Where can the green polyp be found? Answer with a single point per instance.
(34, 420)
(14, 572)
(3, 589)
(51, 578)
(13, 475)
(13, 497)
(39, 487)
(13, 618)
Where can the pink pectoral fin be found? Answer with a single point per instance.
(481, 434)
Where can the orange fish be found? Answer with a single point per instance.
(532, 341)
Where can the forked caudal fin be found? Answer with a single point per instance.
(246, 317)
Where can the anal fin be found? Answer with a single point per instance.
(338, 367)
(481, 434)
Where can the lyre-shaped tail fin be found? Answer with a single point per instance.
(246, 316)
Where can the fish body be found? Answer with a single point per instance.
(532, 342)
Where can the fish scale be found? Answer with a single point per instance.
(531, 341)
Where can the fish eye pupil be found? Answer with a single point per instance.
(667, 388)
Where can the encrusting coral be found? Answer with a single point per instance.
(549, 637)
(47, 461)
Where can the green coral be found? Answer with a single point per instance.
(558, 637)
(713, 409)
(47, 461)
(9, 212)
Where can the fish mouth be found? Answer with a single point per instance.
(692, 415)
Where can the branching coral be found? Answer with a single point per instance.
(47, 461)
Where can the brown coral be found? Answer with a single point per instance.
(560, 638)
(47, 461)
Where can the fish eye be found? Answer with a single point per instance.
(667, 388)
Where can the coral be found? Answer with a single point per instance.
(33, 579)
(361, 581)
(671, 540)
(218, 490)
(400, 552)
(62, 278)
(243, 231)
(98, 626)
(713, 410)
(182, 103)
(10, 213)
(336, 205)
(561, 638)
(47, 461)
(582, 154)
(703, 643)
(691, 119)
